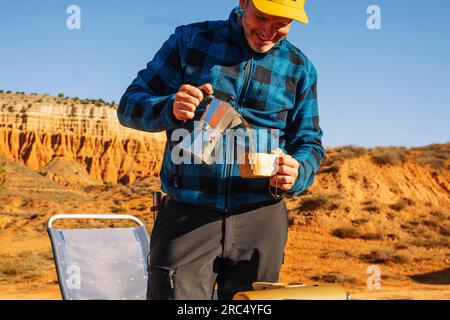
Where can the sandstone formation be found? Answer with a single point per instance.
(36, 129)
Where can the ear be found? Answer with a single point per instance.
(243, 3)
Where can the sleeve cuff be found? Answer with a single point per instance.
(169, 118)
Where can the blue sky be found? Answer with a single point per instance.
(380, 87)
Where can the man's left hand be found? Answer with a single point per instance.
(287, 171)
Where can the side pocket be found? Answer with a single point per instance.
(161, 283)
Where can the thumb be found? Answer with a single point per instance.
(278, 151)
(207, 87)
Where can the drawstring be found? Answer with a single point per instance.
(275, 195)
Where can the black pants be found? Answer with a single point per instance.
(192, 249)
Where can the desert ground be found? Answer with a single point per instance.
(388, 207)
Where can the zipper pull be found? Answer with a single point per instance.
(171, 273)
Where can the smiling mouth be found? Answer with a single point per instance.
(262, 39)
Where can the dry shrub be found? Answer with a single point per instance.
(439, 215)
(25, 264)
(401, 246)
(346, 233)
(431, 243)
(433, 156)
(360, 221)
(354, 176)
(445, 231)
(142, 207)
(6, 222)
(389, 155)
(347, 152)
(373, 208)
(118, 201)
(383, 256)
(335, 157)
(335, 277)
(336, 254)
(320, 201)
(428, 233)
(119, 210)
(393, 237)
(436, 226)
(402, 204)
(372, 236)
(431, 162)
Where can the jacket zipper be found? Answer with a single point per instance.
(170, 274)
(248, 69)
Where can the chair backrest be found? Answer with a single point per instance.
(103, 263)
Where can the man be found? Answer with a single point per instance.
(216, 227)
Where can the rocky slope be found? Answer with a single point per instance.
(36, 129)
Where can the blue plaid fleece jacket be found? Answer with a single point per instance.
(276, 90)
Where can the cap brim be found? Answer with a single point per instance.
(279, 10)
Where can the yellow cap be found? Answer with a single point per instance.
(292, 9)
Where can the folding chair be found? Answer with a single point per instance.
(100, 263)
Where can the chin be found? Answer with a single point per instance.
(262, 49)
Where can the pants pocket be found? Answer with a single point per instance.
(161, 283)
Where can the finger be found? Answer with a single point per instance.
(185, 88)
(285, 187)
(278, 151)
(282, 180)
(185, 106)
(279, 184)
(207, 87)
(288, 161)
(192, 91)
(185, 115)
(287, 170)
(186, 97)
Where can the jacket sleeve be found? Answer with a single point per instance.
(303, 133)
(147, 103)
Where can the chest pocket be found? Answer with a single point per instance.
(270, 94)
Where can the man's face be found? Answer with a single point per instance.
(263, 31)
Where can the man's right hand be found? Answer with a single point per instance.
(188, 99)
